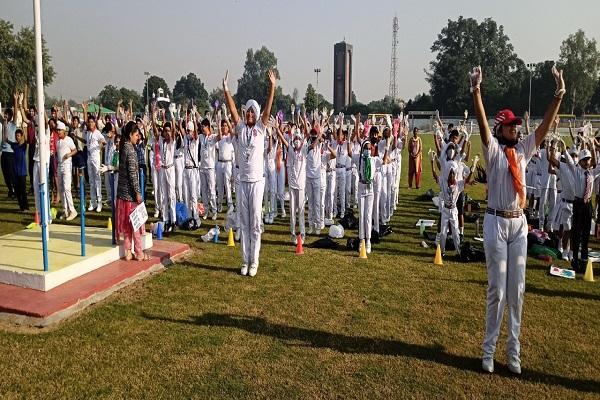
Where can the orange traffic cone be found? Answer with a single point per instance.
(299, 249)
(589, 272)
(36, 218)
(438, 256)
(362, 249)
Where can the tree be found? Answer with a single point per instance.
(594, 105)
(310, 98)
(421, 102)
(216, 94)
(282, 102)
(355, 108)
(155, 82)
(109, 97)
(580, 61)
(189, 88)
(17, 60)
(463, 44)
(254, 82)
(387, 105)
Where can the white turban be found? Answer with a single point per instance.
(253, 104)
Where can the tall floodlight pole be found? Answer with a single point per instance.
(530, 68)
(317, 70)
(394, 62)
(147, 90)
(43, 152)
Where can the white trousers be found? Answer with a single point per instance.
(391, 184)
(167, 178)
(384, 211)
(397, 180)
(505, 245)
(179, 164)
(156, 186)
(36, 191)
(365, 211)
(249, 205)
(547, 199)
(297, 202)
(322, 197)
(449, 215)
(64, 176)
(93, 166)
(224, 171)
(313, 191)
(376, 197)
(281, 187)
(208, 189)
(340, 191)
(330, 195)
(190, 192)
(109, 191)
(354, 185)
(270, 196)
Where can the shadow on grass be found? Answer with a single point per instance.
(367, 345)
(232, 270)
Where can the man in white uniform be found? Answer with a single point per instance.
(505, 226)
(65, 150)
(250, 136)
(342, 159)
(190, 177)
(208, 161)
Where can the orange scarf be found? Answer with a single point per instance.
(515, 171)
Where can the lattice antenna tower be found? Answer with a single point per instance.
(394, 62)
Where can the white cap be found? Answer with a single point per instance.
(60, 126)
(583, 154)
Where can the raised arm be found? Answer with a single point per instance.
(235, 117)
(552, 111)
(267, 111)
(484, 129)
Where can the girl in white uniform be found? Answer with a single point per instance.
(225, 167)
(208, 154)
(94, 141)
(296, 167)
(505, 226)
(250, 136)
(190, 173)
(367, 165)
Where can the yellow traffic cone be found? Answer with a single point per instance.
(109, 224)
(438, 256)
(589, 272)
(362, 249)
(230, 241)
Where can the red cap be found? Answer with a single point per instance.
(507, 117)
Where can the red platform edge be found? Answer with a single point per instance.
(39, 304)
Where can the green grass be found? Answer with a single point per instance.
(323, 325)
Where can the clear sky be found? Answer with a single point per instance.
(94, 43)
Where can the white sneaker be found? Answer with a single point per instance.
(237, 235)
(244, 270)
(156, 214)
(565, 255)
(368, 246)
(91, 208)
(570, 255)
(310, 230)
(294, 238)
(99, 208)
(318, 232)
(214, 217)
(514, 366)
(253, 270)
(72, 216)
(220, 208)
(487, 364)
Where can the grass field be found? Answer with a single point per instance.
(323, 325)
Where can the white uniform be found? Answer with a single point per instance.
(386, 172)
(547, 188)
(314, 162)
(341, 151)
(179, 164)
(65, 173)
(93, 141)
(41, 141)
(398, 172)
(296, 167)
(225, 171)
(190, 176)
(109, 150)
(354, 173)
(366, 196)
(330, 184)
(167, 179)
(251, 144)
(448, 198)
(270, 196)
(505, 245)
(208, 156)
(155, 161)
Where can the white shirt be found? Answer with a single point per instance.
(314, 161)
(296, 166)
(11, 128)
(501, 192)
(449, 194)
(109, 150)
(93, 140)
(190, 155)
(226, 148)
(208, 151)
(341, 152)
(63, 147)
(167, 152)
(251, 145)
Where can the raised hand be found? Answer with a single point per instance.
(476, 77)
(272, 77)
(560, 82)
(225, 88)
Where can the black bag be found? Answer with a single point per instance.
(352, 244)
(324, 243)
(349, 221)
(470, 253)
